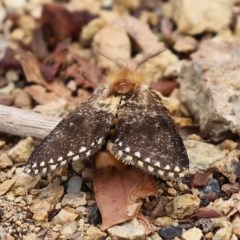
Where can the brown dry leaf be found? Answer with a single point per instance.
(230, 188)
(40, 95)
(236, 208)
(58, 23)
(118, 191)
(33, 74)
(206, 213)
(8, 61)
(53, 62)
(31, 67)
(85, 75)
(38, 44)
(149, 227)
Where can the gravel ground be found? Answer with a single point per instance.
(49, 64)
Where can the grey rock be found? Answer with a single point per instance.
(74, 184)
(210, 87)
(202, 155)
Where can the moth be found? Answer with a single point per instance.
(144, 135)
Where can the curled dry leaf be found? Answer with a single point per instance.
(118, 191)
(53, 62)
(58, 23)
(206, 213)
(85, 74)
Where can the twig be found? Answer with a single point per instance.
(25, 123)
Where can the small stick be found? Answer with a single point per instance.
(25, 123)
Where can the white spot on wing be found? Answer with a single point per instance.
(140, 163)
(137, 154)
(120, 144)
(127, 149)
(147, 160)
(128, 159)
(82, 149)
(157, 164)
(70, 153)
(177, 169)
(53, 167)
(160, 172)
(63, 162)
(34, 165)
(51, 161)
(75, 158)
(60, 159)
(167, 167)
(150, 168)
(100, 141)
(119, 154)
(42, 164)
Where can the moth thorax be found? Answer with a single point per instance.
(123, 86)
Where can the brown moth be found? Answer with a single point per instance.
(124, 117)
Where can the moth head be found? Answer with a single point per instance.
(126, 79)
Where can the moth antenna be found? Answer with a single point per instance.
(111, 59)
(148, 57)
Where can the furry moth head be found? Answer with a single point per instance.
(143, 135)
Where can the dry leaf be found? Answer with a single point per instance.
(118, 192)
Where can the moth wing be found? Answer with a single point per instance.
(78, 137)
(147, 137)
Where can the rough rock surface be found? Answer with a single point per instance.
(210, 84)
(208, 16)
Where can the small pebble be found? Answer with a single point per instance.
(94, 215)
(170, 232)
(192, 234)
(74, 184)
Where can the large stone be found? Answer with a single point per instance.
(214, 15)
(202, 155)
(210, 87)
